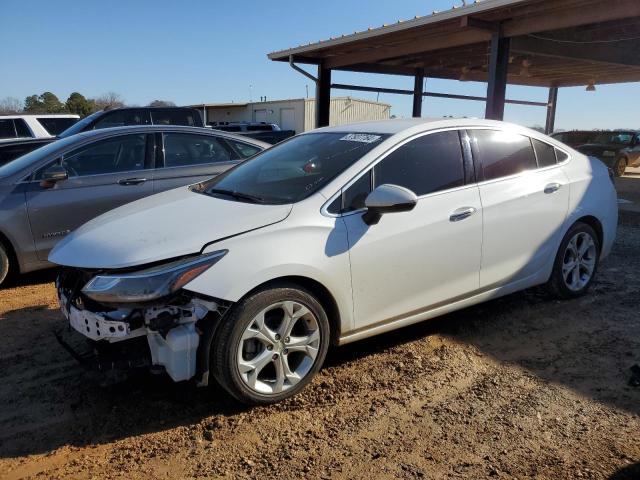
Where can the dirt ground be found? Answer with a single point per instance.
(520, 387)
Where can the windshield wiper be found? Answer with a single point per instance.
(238, 195)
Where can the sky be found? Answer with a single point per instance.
(205, 51)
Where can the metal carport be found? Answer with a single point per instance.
(543, 43)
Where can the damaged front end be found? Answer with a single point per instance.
(118, 310)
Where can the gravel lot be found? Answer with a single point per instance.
(520, 387)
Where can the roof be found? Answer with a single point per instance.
(398, 125)
(553, 43)
(40, 115)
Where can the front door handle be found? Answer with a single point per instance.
(132, 181)
(461, 214)
(552, 188)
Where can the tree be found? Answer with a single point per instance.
(10, 105)
(108, 100)
(162, 103)
(77, 103)
(45, 103)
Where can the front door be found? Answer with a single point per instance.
(413, 261)
(102, 176)
(525, 203)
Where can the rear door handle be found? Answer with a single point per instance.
(461, 214)
(132, 181)
(552, 188)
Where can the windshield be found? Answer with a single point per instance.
(293, 170)
(620, 138)
(35, 156)
(79, 126)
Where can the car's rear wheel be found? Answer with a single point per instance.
(4, 264)
(576, 262)
(270, 345)
(620, 166)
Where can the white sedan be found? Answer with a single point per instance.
(330, 237)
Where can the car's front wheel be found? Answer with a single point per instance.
(620, 166)
(4, 264)
(576, 262)
(270, 344)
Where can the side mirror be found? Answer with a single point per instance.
(52, 175)
(388, 198)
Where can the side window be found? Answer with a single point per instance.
(172, 117)
(120, 154)
(7, 130)
(119, 118)
(56, 125)
(353, 197)
(425, 165)
(545, 153)
(184, 149)
(22, 130)
(561, 156)
(502, 153)
(244, 149)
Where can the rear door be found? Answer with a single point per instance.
(186, 158)
(102, 176)
(525, 199)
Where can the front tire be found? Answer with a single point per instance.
(576, 262)
(620, 167)
(270, 344)
(4, 264)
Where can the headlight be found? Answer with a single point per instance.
(608, 153)
(151, 283)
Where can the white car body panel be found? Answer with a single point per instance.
(399, 276)
(166, 225)
(37, 130)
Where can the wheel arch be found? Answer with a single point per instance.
(594, 223)
(316, 288)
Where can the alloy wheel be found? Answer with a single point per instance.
(279, 347)
(579, 261)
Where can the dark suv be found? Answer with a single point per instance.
(120, 117)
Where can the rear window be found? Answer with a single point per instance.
(56, 126)
(259, 128)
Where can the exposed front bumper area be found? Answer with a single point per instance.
(167, 333)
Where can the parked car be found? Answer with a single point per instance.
(14, 127)
(618, 149)
(49, 192)
(575, 138)
(12, 150)
(266, 132)
(118, 117)
(330, 237)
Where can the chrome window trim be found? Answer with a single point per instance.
(324, 209)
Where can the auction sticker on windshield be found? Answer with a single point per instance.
(361, 137)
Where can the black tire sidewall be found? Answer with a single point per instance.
(616, 166)
(4, 264)
(557, 283)
(225, 342)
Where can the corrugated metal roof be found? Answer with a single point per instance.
(478, 6)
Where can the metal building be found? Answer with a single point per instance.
(294, 114)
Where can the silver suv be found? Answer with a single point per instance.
(49, 192)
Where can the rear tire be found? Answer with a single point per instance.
(576, 262)
(270, 345)
(4, 264)
(620, 166)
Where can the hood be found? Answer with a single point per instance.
(167, 225)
